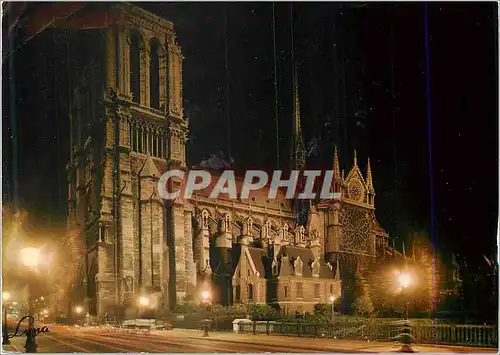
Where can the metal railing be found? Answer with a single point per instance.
(449, 334)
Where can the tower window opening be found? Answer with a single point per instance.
(135, 67)
(154, 74)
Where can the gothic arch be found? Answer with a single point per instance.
(136, 45)
(155, 58)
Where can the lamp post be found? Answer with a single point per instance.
(205, 298)
(144, 302)
(78, 311)
(332, 299)
(405, 280)
(5, 298)
(31, 259)
(405, 338)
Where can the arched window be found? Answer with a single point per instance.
(275, 267)
(133, 136)
(237, 295)
(135, 66)
(250, 292)
(155, 144)
(167, 79)
(139, 139)
(154, 73)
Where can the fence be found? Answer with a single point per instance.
(196, 322)
(471, 335)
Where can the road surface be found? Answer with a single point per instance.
(63, 339)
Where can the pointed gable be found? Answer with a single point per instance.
(149, 169)
(285, 267)
(256, 258)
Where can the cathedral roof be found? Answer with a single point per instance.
(291, 253)
(258, 256)
(325, 272)
(256, 197)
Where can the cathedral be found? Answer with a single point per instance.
(128, 128)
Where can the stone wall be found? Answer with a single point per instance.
(294, 302)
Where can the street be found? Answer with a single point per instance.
(67, 339)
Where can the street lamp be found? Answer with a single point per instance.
(31, 259)
(143, 301)
(332, 299)
(405, 280)
(205, 298)
(5, 298)
(78, 310)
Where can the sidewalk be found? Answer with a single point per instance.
(13, 348)
(322, 344)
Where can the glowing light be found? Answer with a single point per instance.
(332, 299)
(45, 311)
(78, 309)
(42, 298)
(5, 296)
(404, 279)
(143, 301)
(205, 295)
(30, 256)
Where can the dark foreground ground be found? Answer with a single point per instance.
(64, 339)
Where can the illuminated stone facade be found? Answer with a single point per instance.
(127, 129)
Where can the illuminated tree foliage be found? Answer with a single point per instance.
(12, 234)
(381, 283)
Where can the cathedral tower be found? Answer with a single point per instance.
(128, 128)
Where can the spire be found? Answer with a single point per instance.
(336, 167)
(355, 163)
(298, 156)
(369, 180)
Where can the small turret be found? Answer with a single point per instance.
(369, 180)
(336, 166)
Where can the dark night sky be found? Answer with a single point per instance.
(358, 102)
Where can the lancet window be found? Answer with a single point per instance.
(150, 140)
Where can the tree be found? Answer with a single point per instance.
(262, 312)
(381, 281)
(363, 306)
